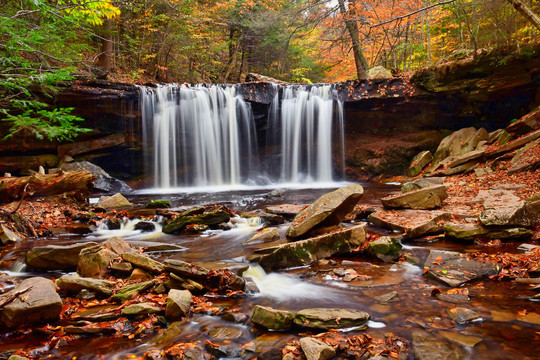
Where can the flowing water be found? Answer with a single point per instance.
(501, 332)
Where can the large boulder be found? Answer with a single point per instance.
(273, 319)
(104, 181)
(378, 72)
(414, 223)
(94, 260)
(505, 209)
(56, 257)
(116, 201)
(419, 162)
(330, 209)
(308, 251)
(425, 198)
(75, 283)
(455, 269)
(457, 143)
(37, 302)
(178, 304)
(323, 318)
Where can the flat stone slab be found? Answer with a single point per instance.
(462, 159)
(414, 223)
(144, 262)
(286, 210)
(75, 283)
(455, 269)
(323, 318)
(155, 246)
(474, 231)
(425, 198)
(273, 319)
(512, 145)
(141, 309)
(421, 183)
(56, 257)
(308, 251)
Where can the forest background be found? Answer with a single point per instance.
(45, 43)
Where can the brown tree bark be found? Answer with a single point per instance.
(105, 57)
(524, 10)
(352, 28)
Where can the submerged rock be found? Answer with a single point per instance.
(56, 257)
(35, 300)
(178, 304)
(273, 319)
(455, 269)
(316, 349)
(462, 315)
(425, 198)
(430, 347)
(308, 251)
(328, 210)
(323, 318)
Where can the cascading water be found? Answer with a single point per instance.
(205, 136)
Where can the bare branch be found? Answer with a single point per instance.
(425, 8)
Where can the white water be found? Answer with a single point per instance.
(126, 231)
(205, 137)
(284, 287)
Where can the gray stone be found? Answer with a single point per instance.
(308, 251)
(392, 296)
(323, 318)
(316, 349)
(462, 159)
(462, 315)
(455, 269)
(226, 332)
(116, 201)
(414, 223)
(421, 183)
(178, 304)
(56, 257)
(425, 198)
(144, 262)
(330, 209)
(141, 309)
(419, 162)
(510, 212)
(474, 231)
(273, 319)
(268, 234)
(384, 248)
(288, 211)
(104, 181)
(94, 260)
(378, 72)
(457, 143)
(430, 347)
(75, 283)
(37, 302)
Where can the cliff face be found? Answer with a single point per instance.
(387, 121)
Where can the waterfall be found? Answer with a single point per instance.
(205, 136)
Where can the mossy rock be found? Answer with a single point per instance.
(128, 292)
(158, 204)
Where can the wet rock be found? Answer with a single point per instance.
(474, 231)
(268, 234)
(145, 226)
(430, 347)
(323, 318)
(56, 257)
(158, 204)
(194, 354)
(213, 279)
(141, 309)
(527, 247)
(274, 193)
(308, 251)
(328, 210)
(463, 340)
(116, 201)
(114, 223)
(17, 357)
(425, 198)
(186, 218)
(94, 260)
(129, 291)
(526, 158)
(511, 212)
(144, 262)
(198, 228)
(287, 211)
(458, 143)
(75, 283)
(123, 267)
(421, 183)
(419, 162)
(223, 351)
(378, 72)
(530, 317)
(384, 248)
(414, 223)
(273, 319)
(178, 304)
(7, 236)
(462, 315)
(89, 330)
(316, 349)
(235, 317)
(155, 246)
(35, 300)
(226, 332)
(103, 182)
(515, 144)
(455, 269)
(392, 296)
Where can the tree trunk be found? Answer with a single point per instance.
(105, 57)
(352, 28)
(13, 188)
(524, 10)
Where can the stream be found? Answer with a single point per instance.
(498, 334)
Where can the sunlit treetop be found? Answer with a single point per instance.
(93, 12)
